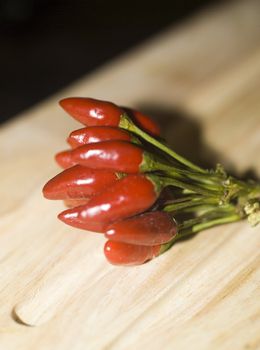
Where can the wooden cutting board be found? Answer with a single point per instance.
(201, 80)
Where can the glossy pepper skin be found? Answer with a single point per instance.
(70, 203)
(128, 196)
(151, 228)
(144, 122)
(119, 156)
(93, 134)
(118, 253)
(78, 182)
(64, 159)
(92, 112)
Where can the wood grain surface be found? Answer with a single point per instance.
(201, 81)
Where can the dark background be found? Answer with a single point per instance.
(46, 44)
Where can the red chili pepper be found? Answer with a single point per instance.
(92, 112)
(93, 134)
(78, 182)
(64, 159)
(118, 253)
(144, 122)
(151, 228)
(114, 155)
(71, 203)
(128, 196)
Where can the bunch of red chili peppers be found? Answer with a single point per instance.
(121, 179)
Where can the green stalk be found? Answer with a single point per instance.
(208, 224)
(187, 186)
(191, 204)
(185, 199)
(205, 180)
(254, 192)
(211, 214)
(126, 123)
(198, 228)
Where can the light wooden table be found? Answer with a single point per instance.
(202, 80)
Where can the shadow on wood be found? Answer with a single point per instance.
(183, 134)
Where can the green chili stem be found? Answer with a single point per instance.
(127, 124)
(205, 180)
(199, 227)
(188, 186)
(210, 214)
(254, 192)
(192, 203)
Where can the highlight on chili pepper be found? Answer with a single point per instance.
(129, 196)
(94, 134)
(121, 180)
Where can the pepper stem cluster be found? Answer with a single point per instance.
(206, 198)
